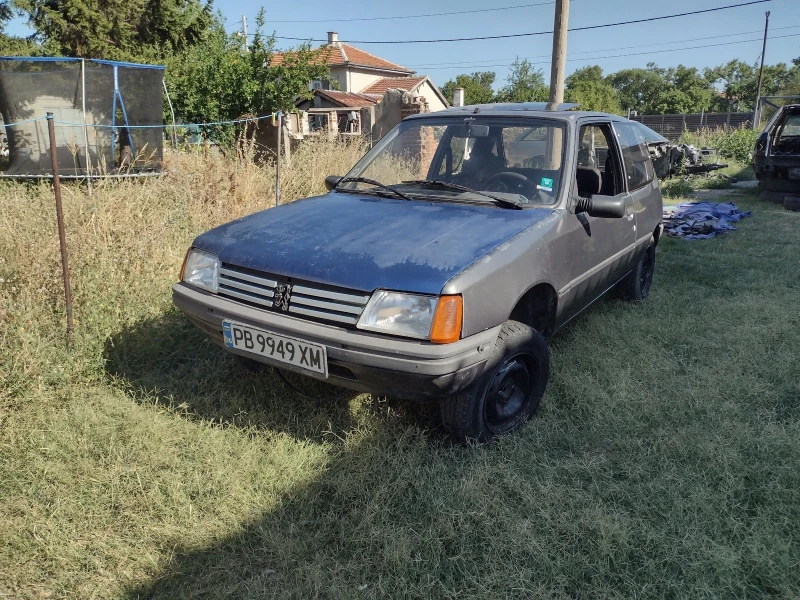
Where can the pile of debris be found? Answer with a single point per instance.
(701, 220)
(683, 159)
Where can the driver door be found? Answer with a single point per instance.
(599, 249)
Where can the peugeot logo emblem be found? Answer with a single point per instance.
(280, 300)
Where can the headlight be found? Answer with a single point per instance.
(201, 269)
(411, 315)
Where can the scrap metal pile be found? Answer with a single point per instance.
(683, 159)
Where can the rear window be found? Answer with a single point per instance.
(638, 166)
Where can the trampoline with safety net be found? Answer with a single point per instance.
(108, 117)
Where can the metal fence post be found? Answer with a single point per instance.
(278, 161)
(62, 236)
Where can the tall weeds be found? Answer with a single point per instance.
(126, 243)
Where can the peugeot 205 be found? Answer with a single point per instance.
(440, 264)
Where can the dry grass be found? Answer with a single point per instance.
(146, 464)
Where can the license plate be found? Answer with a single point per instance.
(279, 348)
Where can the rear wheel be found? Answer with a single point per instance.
(508, 392)
(636, 285)
(791, 203)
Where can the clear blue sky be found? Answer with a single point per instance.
(726, 32)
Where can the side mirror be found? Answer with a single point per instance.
(606, 207)
(331, 181)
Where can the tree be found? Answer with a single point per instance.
(589, 88)
(658, 91)
(738, 82)
(215, 80)
(477, 87)
(686, 90)
(637, 89)
(524, 84)
(117, 29)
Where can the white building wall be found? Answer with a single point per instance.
(434, 102)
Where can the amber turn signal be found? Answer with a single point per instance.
(183, 265)
(447, 320)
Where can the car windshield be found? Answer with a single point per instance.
(511, 162)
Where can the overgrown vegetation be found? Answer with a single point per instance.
(217, 81)
(733, 143)
(146, 464)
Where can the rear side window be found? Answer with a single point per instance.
(638, 166)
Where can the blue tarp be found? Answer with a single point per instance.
(701, 220)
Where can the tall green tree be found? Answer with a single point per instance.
(117, 29)
(216, 80)
(685, 90)
(657, 91)
(477, 87)
(738, 81)
(589, 88)
(524, 84)
(11, 45)
(638, 89)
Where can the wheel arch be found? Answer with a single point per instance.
(537, 308)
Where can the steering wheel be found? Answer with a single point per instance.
(508, 181)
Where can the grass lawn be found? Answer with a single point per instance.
(664, 461)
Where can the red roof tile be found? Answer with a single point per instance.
(356, 56)
(348, 98)
(393, 83)
(339, 54)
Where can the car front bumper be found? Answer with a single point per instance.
(358, 360)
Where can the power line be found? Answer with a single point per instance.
(777, 37)
(518, 35)
(441, 14)
(492, 62)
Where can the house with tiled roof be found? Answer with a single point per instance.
(359, 79)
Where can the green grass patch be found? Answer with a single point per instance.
(146, 463)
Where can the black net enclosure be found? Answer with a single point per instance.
(108, 117)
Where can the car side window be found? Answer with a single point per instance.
(638, 166)
(597, 169)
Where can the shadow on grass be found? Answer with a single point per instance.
(376, 449)
(170, 362)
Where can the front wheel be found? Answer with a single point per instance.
(508, 392)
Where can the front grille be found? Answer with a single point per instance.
(306, 300)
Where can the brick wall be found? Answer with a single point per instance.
(420, 144)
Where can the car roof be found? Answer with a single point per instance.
(563, 111)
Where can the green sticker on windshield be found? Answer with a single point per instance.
(546, 184)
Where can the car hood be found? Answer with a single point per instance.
(367, 242)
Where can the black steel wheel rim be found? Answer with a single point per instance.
(510, 393)
(646, 277)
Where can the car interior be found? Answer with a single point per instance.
(483, 163)
(787, 136)
(596, 171)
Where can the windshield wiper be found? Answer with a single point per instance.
(504, 202)
(370, 182)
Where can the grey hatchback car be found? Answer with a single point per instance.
(438, 266)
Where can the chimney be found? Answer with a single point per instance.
(458, 97)
(333, 37)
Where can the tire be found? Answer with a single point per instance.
(636, 285)
(792, 203)
(508, 391)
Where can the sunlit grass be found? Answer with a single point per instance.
(145, 463)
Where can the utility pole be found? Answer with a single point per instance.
(757, 108)
(559, 64)
(244, 32)
(555, 143)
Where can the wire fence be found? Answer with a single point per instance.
(82, 156)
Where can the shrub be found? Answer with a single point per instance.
(734, 144)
